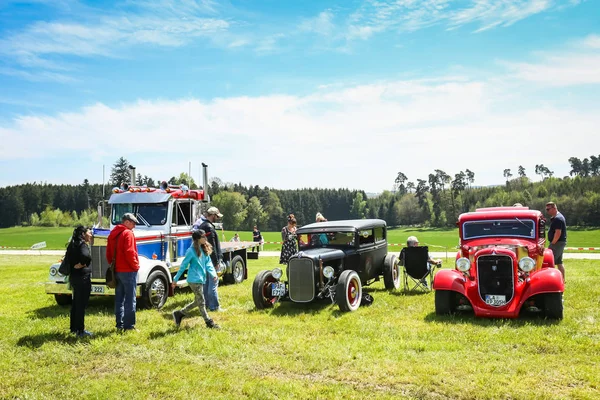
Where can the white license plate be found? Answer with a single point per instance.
(495, 299)
(97, 289)
(277, 289)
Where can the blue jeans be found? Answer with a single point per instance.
(210, 294)
(125, 299)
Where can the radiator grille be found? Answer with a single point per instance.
(301, 280)
(496, 277)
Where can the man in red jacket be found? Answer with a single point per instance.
(121, 244)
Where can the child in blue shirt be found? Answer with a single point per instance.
(200, 268)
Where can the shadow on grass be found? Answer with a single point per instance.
(96, 305)
(36, 341)
(467, 317)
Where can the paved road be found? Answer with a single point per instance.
(578, 256)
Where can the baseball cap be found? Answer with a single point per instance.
(214, 211)
(130, 217)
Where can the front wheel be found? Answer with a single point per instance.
(155, 290)
(391, 272)
(63, 299)
(348, 291)
(261, 290)
(553, 305)
(444, 302)
(237, 271)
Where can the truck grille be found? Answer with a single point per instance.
(99, 263)
(301, 275)
(496, 278)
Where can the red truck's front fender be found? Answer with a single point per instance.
(546, 280)
(449, 279)
(548, 259)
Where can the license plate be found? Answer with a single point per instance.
(97, 289)
(495, 299)
(278, 289)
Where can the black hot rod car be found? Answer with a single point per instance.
(334, 261)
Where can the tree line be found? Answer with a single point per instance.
(435, 201)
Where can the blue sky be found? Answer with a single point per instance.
(297, 94)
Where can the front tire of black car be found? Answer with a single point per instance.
(391, 272)
(237, 271)
(445, 302)
(348, 291)
(553, 305)
(261, 292)
(155, 291)
(63, 299)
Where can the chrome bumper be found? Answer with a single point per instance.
(98, 289)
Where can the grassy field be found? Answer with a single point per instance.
(436, 239)
(397, 348)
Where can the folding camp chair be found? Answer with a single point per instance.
(416, 268)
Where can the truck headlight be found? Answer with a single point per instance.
(53, 271)
(526, 264)
(328, 272)
(463, 264)
(277, 273)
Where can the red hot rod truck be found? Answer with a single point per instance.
(502, 266)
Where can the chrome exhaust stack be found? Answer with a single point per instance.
(205, 182)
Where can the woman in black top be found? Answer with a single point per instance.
(80, 259)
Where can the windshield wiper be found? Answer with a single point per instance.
(143, 220)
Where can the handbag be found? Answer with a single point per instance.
(65, 265)
(111, 275)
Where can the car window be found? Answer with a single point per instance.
(499, 228)
(326, 239)
(365, 237)
(380, 234)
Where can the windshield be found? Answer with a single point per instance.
(511, 228)
(153, 213)
(326, 239)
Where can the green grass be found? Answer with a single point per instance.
(436, 239)
(397, 348)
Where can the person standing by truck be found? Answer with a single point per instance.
(257, 237)
(78, 255)
(200, 270)
(557, 235)
(207, 225)
(121, 245)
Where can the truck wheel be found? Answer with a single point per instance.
(348, 291)
(261, 292)
(553, 305)
(444, 302)
(63, 299)
(238, 269)
(391, 272)
(155, 290)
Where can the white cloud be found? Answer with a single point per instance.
(411, 15)
(110, 33)
(592, 41)
(577, 65)
(362, 134)
(322, 24)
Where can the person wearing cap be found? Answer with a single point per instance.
(412, 241)
(207, 225)
(122, 246)
(200, 270)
